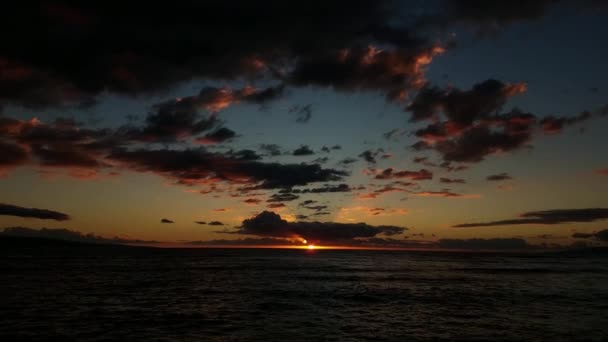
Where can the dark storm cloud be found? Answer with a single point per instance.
(555, 216)
(43, 214)
(451, 180)
(270, 224)
(485, 244)
(391, 173)
(499, 177)
(65, 234)
(166, 221)
(126, 50)
(303, 150)
(220, 135)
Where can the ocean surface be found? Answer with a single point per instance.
(298, 295)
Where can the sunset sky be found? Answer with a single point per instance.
(386, 123)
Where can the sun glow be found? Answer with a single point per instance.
(311, 247)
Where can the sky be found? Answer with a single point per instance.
(418, 124)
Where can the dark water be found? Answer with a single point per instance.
(270, 295)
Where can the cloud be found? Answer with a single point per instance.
(370, 156)
(343, 187)
(126, 52)
(166, 221)
(275, 205)
(66, 234)
(551, 124)
(499, 177)
(304, 113)
(269, 224)
(601, 235)
(43, 214)
(485, 244)
(252, 201)
(444, 193)
(271, 149)
(220, 135)
(284, 197)
(200, 222)
(452, 180)
(303, 150)
(555, 216)
(391, 173)
(393, 133)
(215, 223)
(11, 155)
(197, 166)
(463, 107)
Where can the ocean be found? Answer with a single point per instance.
(132, 294)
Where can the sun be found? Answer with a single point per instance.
(311, 247)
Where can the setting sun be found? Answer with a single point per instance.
(311, 247)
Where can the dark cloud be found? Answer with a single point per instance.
(391, 173)
(130, 52)
(271, 149)
(285, 197)
(252, 200)
(499, 177)
(601, 235)
(244, 155)
(66, 234)
(304, 113)
(220, 135)
(463, 107)
(370, 156)
(603, 172)
(303, 150)
(484, 244)
(347, 161)
(166, 221)
(192, 166)
(215, 223)
(555, 216)
(317, 208)
(275, 205)
(11, 155)
(452, 180)
(551, 124)
(326, 188)
(477, 143)
(269, 224)
(43, 214)
(443, 193)
(393, 133)
(200, 222)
